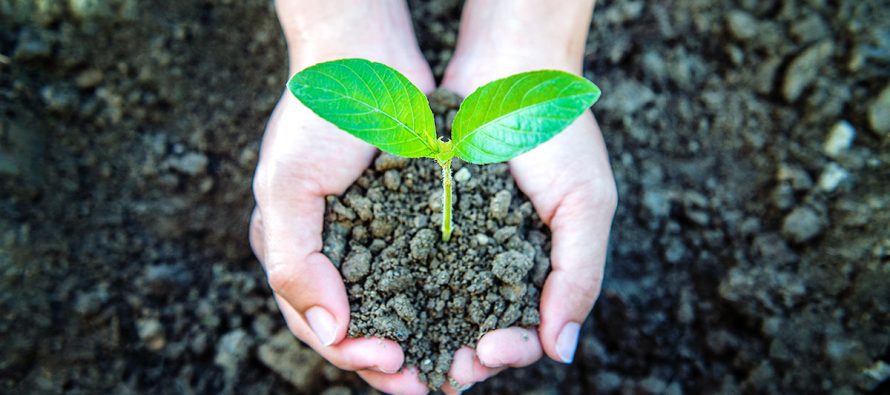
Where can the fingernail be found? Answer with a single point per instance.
(385, 371)
(322, 324)
(486, 349)
(567, 342)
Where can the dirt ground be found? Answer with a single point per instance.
(750, 251)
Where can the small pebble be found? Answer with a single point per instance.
(232, 351)
(31, 46)
(810, 28)
(804, 69)
(653, 385)
(151, 332)
(89, 79)
(423, 244)
(357, 265)
(742, 25)
(361, 205)
(341, 210)
(607, 381)
(381, 227)
(802, 224)
(513, 292)
(839, 139)
(392, 180)
(463, 175)
(88, 303)
(403, 308)
(388, 162)
(511, 267)
(192, 163)
(832, 177)
(798, 177)
(502, 234)
(500, 204)
(435, 201)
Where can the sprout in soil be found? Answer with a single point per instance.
(497, 122)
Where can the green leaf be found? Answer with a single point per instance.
(370, 101)
(510, 116)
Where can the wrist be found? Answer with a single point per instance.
(503, 37)
(318, 31)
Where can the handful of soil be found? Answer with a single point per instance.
(433, 297)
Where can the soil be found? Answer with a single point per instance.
(749, 141)
(433, 297)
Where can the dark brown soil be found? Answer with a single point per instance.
(433, 297)
(750, 252)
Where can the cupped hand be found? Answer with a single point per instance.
(303, 159)
(570, 183)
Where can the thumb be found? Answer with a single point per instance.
(580, 227)
(297, 271)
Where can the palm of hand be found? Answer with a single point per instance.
(303, 147)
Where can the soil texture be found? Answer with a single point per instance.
(750, 141)
(431, 296)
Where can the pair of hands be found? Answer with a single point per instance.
(304, 158)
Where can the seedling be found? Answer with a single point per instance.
(497, 122)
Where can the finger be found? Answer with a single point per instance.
(580, 229)
(467, 370)
(513, 347)
(292, 219)
(405, 382)
(290, 192)
(350, 354)
(577, 202)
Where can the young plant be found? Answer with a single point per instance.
(497, 122)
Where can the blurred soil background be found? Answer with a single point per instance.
(750, 251)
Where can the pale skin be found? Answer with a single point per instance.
(304, 158)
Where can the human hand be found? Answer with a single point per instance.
(303, 159)
(570, 183)
(568, 179)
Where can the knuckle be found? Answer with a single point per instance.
(261, 183)
(609, 199)
(281, 280)
(595, 285)
(256, 223)
(586, 285)
(254, 237)
(599, 195)
(586, 203)
(591, 291)
(257, 252)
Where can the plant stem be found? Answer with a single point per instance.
(446, 200)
